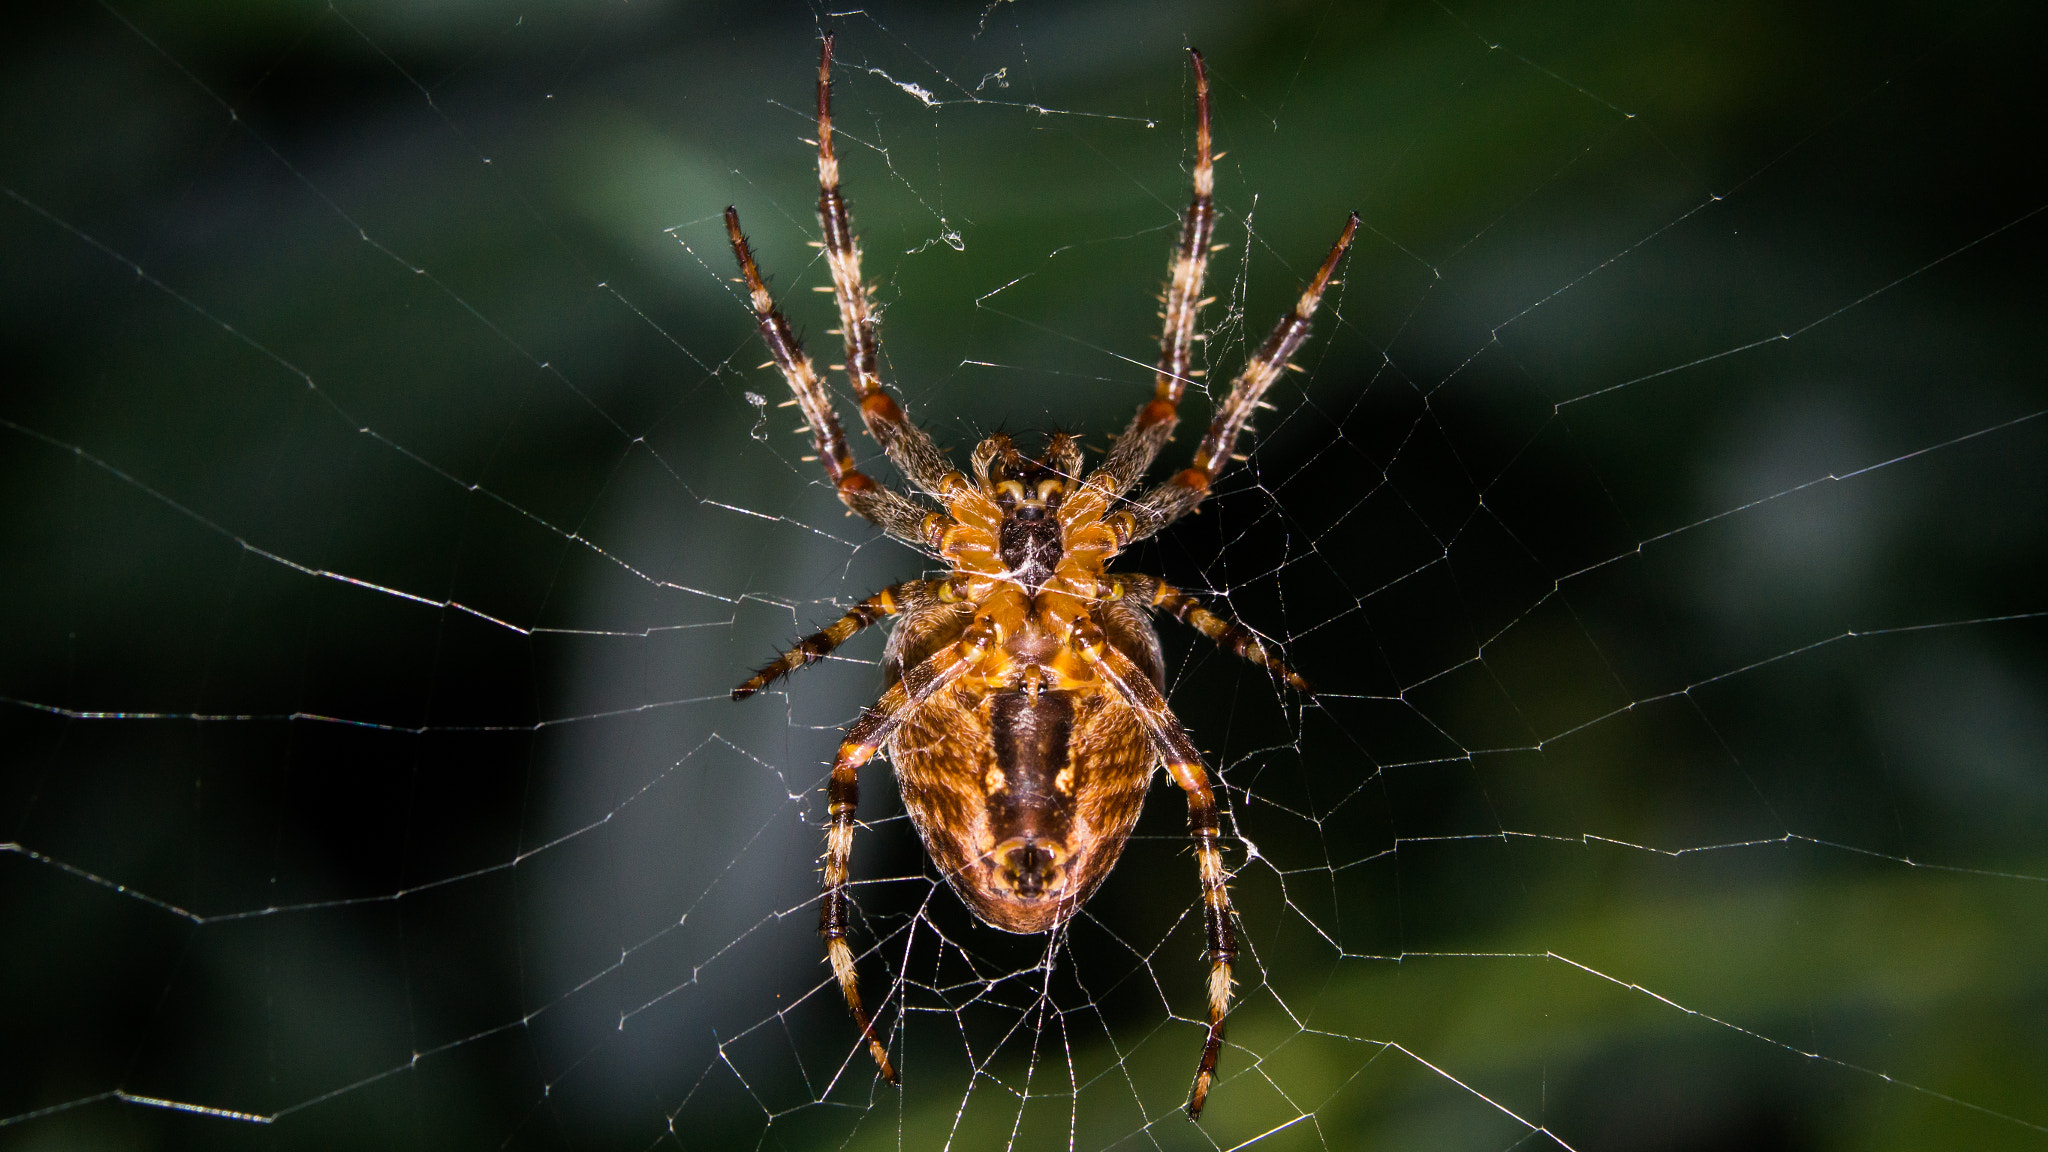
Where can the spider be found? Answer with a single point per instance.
(1023, 709)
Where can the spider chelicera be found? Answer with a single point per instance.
(1024, 712)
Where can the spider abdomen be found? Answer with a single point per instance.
(1024, 796)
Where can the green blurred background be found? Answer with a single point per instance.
(390, 498)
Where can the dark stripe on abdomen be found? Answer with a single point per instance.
(1031, 734)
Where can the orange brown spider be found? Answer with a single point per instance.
(1023, 710)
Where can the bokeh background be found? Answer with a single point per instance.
(391, 496)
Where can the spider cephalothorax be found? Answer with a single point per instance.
(1028, 493)
(1023, 707)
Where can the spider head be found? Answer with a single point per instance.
(1028, 493)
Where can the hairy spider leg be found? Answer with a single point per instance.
(815, 647)
(1184, 763)
(907, 445)
(1148, 431)
(1176, 497)
(1227, 634)
(863, 740)
(898, 515)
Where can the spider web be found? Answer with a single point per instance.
(393, 501)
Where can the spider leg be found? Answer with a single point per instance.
(863, 740)
(1170, 741)
(1227, 634)
(1147, 432)
(909, 447)
(1178, 496)
(900, 516)
(815, 647)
